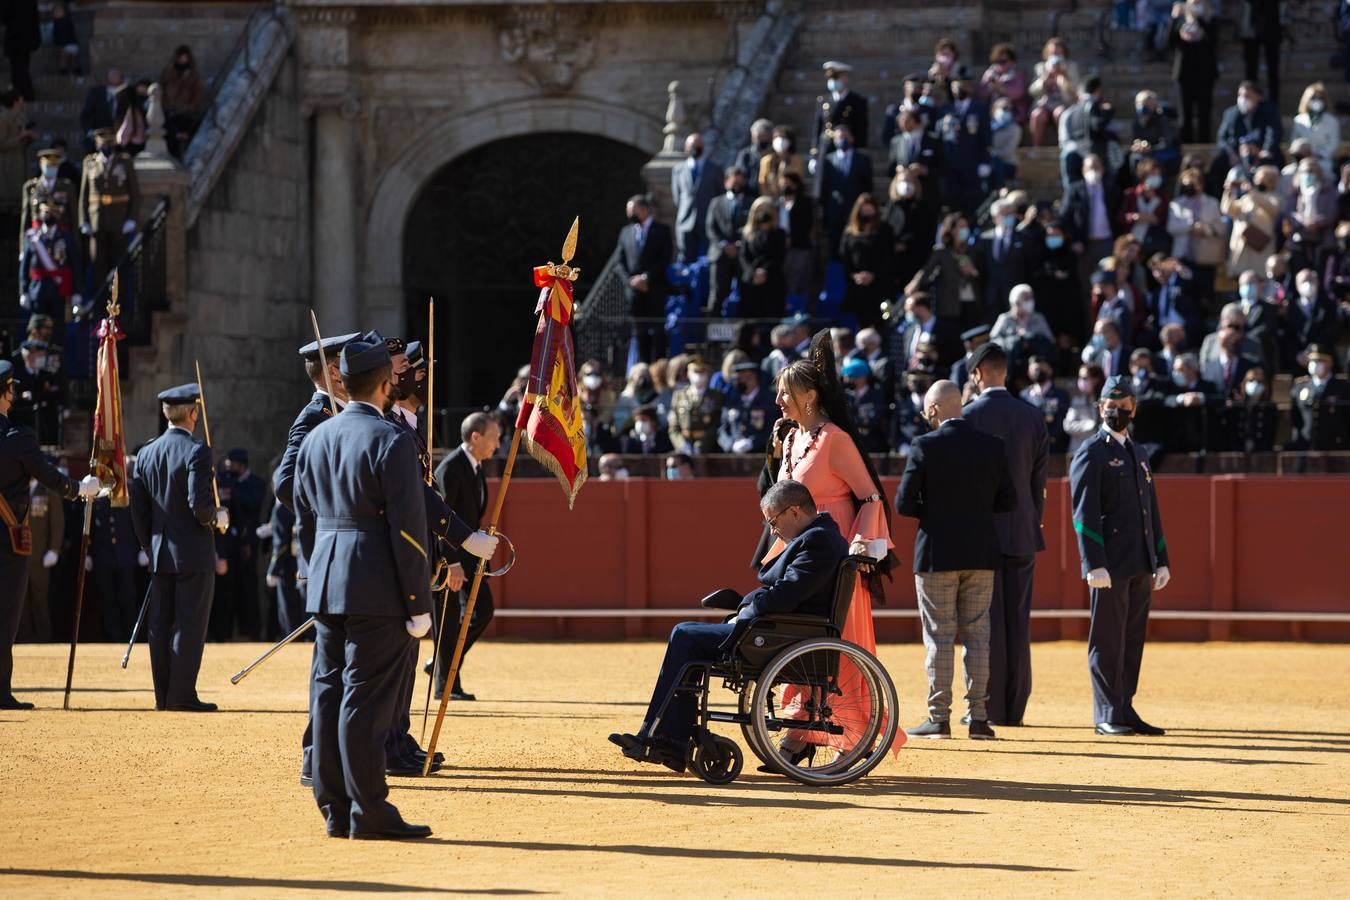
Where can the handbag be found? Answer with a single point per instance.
(20, 535)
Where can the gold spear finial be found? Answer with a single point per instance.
(563, 269)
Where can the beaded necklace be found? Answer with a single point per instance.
(811, 445)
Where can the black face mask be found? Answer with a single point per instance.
(695, 153)
(789, 193)
(1041, 376)
(182, 66)
(420, 391)
(635, 220)
(1117, 419)
(404, 385)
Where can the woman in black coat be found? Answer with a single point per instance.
(1195, 68)
(913, 223)
(867, 251)
(763, 249)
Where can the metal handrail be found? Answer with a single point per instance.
(99, 298)
(242, 48)
(600, 328)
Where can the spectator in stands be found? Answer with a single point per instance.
(1085, 129)
(1022, 331)
(724, 377)
(1109, 299)
(1258, 25)
(1321, 405)
(679, 467)
(869, 347)
(676, 378)
(868, 404)
(23, 35)
(1318, 125)
(643, 258)
(696, 411)
(1005, 136)
(1188, 401)
(918, 328)
(841, 339)
(1197, 229)
(1255, 215)
(749, 413)
(1172, 301)
(763, 255)
(1005, 80)
(844, 175)
(693, 184)
(1299, 150)
(15, 138)
(1053, 403)
(790, 338)
(780, 160)
(950, 276)
(1279, 280)
(1252, 120)
(727, 215)
(751, 156)
(1153, 136)
(1230, 355)
(611, 468)
(945, 63)
(65, 42)
(1089, 212)
(101, 106)
(638, 391)
(1173, 340)
(912, 222)
(971, 339)
(592, 389)
(1058, 287)
(1005, 257)
(1054, 90)
(908, 422)
(1191, 389)
(914, 146)
(1107, 349)
(963, 128)
(1336, 282)
(1261, 318)
(839, 107)
(916, 97)
(1195, 66)
(867, 251)
(598, 433)
(1249, 426)
(1083, 419)
(1311, 223)
(1311, 320)
(646, 436)
(184, 95)
(1143, 211)
(797, 217)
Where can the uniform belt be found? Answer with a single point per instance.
(109, 199)
(350, 523)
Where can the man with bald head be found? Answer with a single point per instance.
(955, 481)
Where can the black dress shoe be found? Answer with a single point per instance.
(461, 696)
(400, 832)
(337, 833)
(428, 666)
(980, 731)
(1142, 727)
(400, 768)
(13, 702)
(1109, 730)
(626, 741)
(193, 706)
(931, 729)
(307, 781)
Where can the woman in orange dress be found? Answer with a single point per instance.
(820, 448)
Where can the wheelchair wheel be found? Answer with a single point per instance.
(717, 760)
(743, 704)
(834, 696)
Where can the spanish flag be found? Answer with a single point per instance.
(107, 458)
(550, 411)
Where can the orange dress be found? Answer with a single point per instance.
(834, 472)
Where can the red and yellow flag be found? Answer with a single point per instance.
(550, 411)
(107, 458)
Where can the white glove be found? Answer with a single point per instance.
(222, 520)
(742, 445)
(89, 564)
(141, 559)
(1161, 578)
(89, 487)
(86, 230)
(49, 559)
(480, 544)
(1099, 578)
(128, 227)
(263, 531)
(983, 170)
(418, 625)
(273, 581)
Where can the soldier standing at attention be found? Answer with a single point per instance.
(173, 509)
(20, 461)
(49, 187)
(110, 203)
(696, 411)
(1124, 554)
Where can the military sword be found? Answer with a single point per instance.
(206, 429)
(323, 360)
(243, 673)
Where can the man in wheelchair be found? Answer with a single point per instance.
(800, 580)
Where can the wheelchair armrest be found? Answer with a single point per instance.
(725, 598)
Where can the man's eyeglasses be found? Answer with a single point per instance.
(773, 519)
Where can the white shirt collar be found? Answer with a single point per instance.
(990, 390)
(178, 428)
(1118, 437)
(409, 417)
(468, 454)
(338, 404)
(365, 403)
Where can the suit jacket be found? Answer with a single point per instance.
(1262, 126)
(172, 504)
(956, 479)
(965, 139)
(726, 218)
(923, 149)
(362, 517)
(317, 410)
(1115, 510)
(801, 579)
(1321, 326)
(1003, 267)
(98, 111)
(837, 190)
(1075, 211)
(466, 495)
(651, 259)
(801, 222)
(691, 200)
(1026, 443)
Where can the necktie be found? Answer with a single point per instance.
(1227, 374)
(638, 237)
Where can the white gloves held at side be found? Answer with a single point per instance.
(49, 559)
(1099, 578)
(418, 625)
(89, 487)
(481, 544)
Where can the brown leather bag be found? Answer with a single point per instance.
(20, 535)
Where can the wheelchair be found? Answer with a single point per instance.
(794, 674)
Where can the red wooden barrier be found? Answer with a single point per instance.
(1237, 542)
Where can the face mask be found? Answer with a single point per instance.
(832, 85)
(780, 145)
(959, 91)
(925, 100)
(944, 59)
(911, 319)
(865, 218)
(1253, 389)
(696, 152)
(49, 219)
(182, 65)
(1054, 241)
(1319, 370)
(1027, 307)
(592, 382)
(672, 473)
(1247, 292)
(644, 428)
(1003, 117)
(842, 143)
(1040, 376)
(635, 220)
(698, 380)
(905, 189)
(1188, 190)
(1008, 221)
(962, 235)
(738, 188)
(105, 151)
(1141, 112)
(1092, 176)
(1153, 182)
(789, 193)
(1085, 388)
(1116, 419)
(1098, 342)
(1309, 182)
(1307, 290)
(49, 171)
(1179, 379)
(620, 475)
(1244, 105)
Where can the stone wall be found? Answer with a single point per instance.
(139, 36)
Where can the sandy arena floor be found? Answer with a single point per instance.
(1249, 793)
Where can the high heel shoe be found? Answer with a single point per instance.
(807, 753)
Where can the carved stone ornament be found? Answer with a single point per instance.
(549, 47)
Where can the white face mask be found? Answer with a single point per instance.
(620, 474)
(698, 380)
(1244, 105)
(1092, 176)
(592, 382)
(1026, 307)
(1319, 369)
(906, 189)
(780, 145)
(1307, 290)
(644, 428)
(1252, 389)
(1316, 106)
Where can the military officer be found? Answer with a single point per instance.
(49, 187)
(114, 557)
(839, 106)
(110, 204)
(282, 569)
(51, 272)
(362, 519)
(173, 509)
(1321, 405)
(696, 411)
(20, 462)
(47, 524)
(1124, 557)
(867, 403)
(38, 394)
(748, 415)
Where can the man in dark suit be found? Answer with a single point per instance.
(647, 437)
(964, 131)
(100, 106)
(362, 521)
(1251, 120)
(644, 256)
(726, 217)
(1124, 555)
(749, 156)
(464, 486)
(1088, 212)
(915, 145)
(1022, 427)
(1310, 319)
(839, 107)
(114, 556)
(247, 491)
(693, 184)
(956, 481)
(844, 173)
(282, 569)
(1186, 403)
(20, 462)
(1005, 257)
(798, 580)
(173, 508)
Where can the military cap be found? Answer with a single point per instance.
(396, 345)
(237, 454)
(414, 353)
(1117, 387)
(6, 374)
(1103, 276)
(362, 356)
(990, 352)
(743, 367)
(184, 393)
(975, 333)
(50, 153)
(856, 368)
(835, 66)
(800, 318)
(330, 345)
(105, 134)
(39, 320)
(33, 344)
(1318, 352)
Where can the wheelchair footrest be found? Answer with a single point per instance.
(734, 718)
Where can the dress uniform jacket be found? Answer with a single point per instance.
(1321, 414)
(60, 192)
(109, 193)
(1115, 510)
(747, 417)
(317, 410)
(850, 110)
(695, 418)
(47, 521)
(51, 275)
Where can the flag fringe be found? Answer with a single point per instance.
(546, 459)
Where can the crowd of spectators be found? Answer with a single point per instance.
(1205, 272)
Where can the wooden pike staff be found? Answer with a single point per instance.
(206, 431)
(431, 459)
